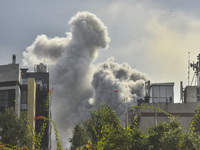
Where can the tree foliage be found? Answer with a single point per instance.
(80, 137)
(15, 130)
(104, 131)
(196, 121)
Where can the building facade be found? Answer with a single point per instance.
(27, 91)
(159, 102)
(160, 92)
(10, 93)
(183, 112)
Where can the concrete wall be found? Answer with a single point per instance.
(31, 102)
(183, 112)
(191, 94)
(9, 73)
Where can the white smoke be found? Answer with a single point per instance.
(77, 83)
(114, 82)
(45, 50)
(72, 70)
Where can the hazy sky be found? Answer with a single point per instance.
(152, 36)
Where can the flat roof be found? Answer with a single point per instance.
(163, 84)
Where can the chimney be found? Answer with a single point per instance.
(13, 59)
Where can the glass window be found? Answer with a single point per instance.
(3, 94)
(24, 81)
(198, 94)
(24, 97)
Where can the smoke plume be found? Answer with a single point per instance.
(45, 50)
(114, 82)
(79, 84)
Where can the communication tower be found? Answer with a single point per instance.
(196, 68)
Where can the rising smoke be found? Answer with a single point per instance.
(79, 84)
(114, 82)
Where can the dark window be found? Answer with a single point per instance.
(170, 99)
(3, 95)
(23, 100)
(7, 98)
(24, 97)
(198, 94)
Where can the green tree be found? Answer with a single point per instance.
(99, 119)
(104, 131)
(80, 137)
(92, 129)
(196, 121)
(122, 138)
(171, 135)
(15, 130)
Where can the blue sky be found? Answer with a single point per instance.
(152, 36)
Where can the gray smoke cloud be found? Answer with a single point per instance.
(114, 82)
(79, 84)
(45, 50)
(70, 59)
(74, 73)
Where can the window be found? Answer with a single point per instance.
(7, 98)
(170, 99)
(24, 97)
(3, 95)
(198, 94)
(23, 100)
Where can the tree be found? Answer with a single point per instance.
(171, 135)
(104, 131)
(122, 138)
(92, 129)
(100, 119)
(80, 137)
(15, 130)
(196, 121)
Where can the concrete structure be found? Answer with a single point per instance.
(41, 79)
(192, 94)
(160, 92)
(160, 96)
(10, 92)
(42, 90)
(31, 102)
(183, 112)
(26, 91)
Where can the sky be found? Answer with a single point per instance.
(151, 36)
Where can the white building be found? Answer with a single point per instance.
(160, 92)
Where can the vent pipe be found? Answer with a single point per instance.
(13, 59)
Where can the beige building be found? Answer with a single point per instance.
(31, 102)
(183, 112)
(160, 98)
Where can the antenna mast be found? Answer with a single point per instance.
(188, 68)
(196, 68)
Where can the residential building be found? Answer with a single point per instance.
(27, 91)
